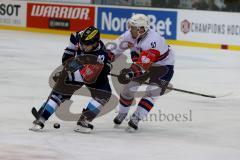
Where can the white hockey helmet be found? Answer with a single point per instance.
(139, 20)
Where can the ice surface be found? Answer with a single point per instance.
(26, 61)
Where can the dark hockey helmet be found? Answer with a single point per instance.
(90, 36)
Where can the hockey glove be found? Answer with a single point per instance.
(73, 64)
(111, 56)
(56, 76)
(125, 76)
(134, 56)
(77, 63)
(132, 73)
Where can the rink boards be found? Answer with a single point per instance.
(180, 27)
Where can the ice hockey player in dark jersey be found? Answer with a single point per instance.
(86, 62)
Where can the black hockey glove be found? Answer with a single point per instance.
(125, 76)
(73, 65)
(77, 63)
(56, 76)
(135, 73)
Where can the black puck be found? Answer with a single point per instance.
(56, 125)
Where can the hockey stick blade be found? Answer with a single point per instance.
(224, 95)
(35, 113)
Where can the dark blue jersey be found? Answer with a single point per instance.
(74, 49)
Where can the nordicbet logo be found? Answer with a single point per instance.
(116, 24)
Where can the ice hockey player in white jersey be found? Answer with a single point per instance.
(152, 59)
(86, 62)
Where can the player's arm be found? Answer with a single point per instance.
(101, 65)
(141, 66)
(134, 55)
(119, 45)
(91, 72)
(85, 68)
(70, 50)
(147, 58)
(158, 50)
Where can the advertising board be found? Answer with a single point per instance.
(209, 27)
(13, 13)
(114, 20)
(60, 16)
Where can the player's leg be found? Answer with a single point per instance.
(125, 101)
(62, 90)
(48, 108)
(157, 77)
(101, 93)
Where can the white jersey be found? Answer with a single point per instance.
(152, 39)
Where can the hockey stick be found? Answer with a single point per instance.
(177, 89)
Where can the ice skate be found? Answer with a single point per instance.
(83, 126)
(119, 119)
(37, 125)
(133, 124)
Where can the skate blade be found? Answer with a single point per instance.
(82, 129)
(130, 130)
(35, 128)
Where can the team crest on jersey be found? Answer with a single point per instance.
(89, 71)
(145, 59)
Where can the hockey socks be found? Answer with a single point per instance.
(123, 107)
(144, 107)
(49, 107)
